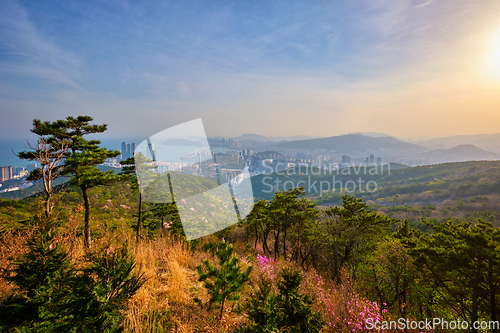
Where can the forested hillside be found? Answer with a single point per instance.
(461, 191)
(346, 259)
(93, 256)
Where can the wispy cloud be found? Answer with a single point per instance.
(424, 4)
(28, 52)
(244, 66)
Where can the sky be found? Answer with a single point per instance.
(409, 68)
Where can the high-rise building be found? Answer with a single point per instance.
(5, 173)
(379, 160)
(132, 149)
(372, 159)
(346, 159)
(124, 150)
(129, 152)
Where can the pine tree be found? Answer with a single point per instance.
(461, 260)
(288, 311)
(298, 315)
(168, 211)
(350, 232)
(264, 310)
(129, 173)
(101, 292)
(81, 163)
(226, 282)
(43, 276)
(286, 216)
(81, 156)
(56, 296)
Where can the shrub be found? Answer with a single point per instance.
(226, 282)
(54, 296)
(42, 276)
(286, 311)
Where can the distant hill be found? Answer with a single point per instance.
(463, 153)
(350, 143)
(251, 137)
(262, 138)
(439, 192)
(489, 142)
(375, 134)
(183, 143)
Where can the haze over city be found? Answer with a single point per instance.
(266, 166)
(412, 69)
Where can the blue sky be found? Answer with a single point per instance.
(411, 68)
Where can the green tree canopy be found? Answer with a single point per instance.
(81, 156)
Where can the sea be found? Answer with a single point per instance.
(10, 147)
(8, 150)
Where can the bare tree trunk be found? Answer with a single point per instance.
(137, 232)
(50, 158)
(86, 238)
(284, 242)
(48, 206)
(493, 307)
(475, 300)
(221, 309)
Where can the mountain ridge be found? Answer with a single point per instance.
(466, 151)
(349, 143)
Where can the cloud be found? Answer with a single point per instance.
(29, 53)
(423, 4)
(275, 68)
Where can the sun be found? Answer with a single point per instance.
(493, 66)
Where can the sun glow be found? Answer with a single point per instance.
(493, 67)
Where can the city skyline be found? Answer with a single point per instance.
(412, 69)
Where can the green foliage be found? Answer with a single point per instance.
(210, 247)
(169, 218)
(101, 291)
(288, 311)
(297, 309)
(263, 310)
(43, 278)
(389, 275)
(350, 233)
(288, 219)
(146, 219)
(226, 282)
(462, 261)
(55, 296)
(81, 156)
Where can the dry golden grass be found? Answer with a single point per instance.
(12, 245)
(167, 297)
(165, 302)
